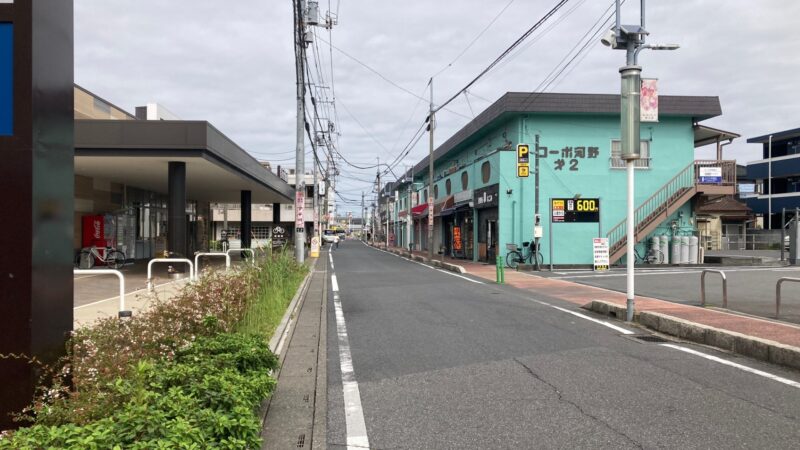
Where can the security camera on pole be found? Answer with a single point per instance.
(631, 39)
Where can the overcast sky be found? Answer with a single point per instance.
(232, 63)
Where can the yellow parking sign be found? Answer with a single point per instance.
(523, 170)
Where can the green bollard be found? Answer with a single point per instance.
(501, 276)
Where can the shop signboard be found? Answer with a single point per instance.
(486, 197)
(430, 214)
(278, 236)
(601, 254)
(711, 175)
(458, 243)
(6, 79)
(580, 210)
(314, 247)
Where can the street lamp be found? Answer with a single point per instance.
(631, 39)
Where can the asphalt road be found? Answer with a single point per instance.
(442, 362)
(751, 290)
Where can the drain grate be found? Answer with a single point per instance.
(301, 441)
(649, 338)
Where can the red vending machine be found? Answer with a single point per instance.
(94, 233)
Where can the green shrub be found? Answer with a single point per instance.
(204, 397)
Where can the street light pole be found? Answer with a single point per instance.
(631, 39)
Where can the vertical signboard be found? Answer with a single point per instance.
(430, 214)
(6, 79)
(523, 160)
(649, 100)
(600, 251)
(299, 211)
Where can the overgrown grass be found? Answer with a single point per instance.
(277, 279)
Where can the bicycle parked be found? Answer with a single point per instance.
(653, 256)
(515, 257)
(112, 257)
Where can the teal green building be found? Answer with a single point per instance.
(481, 205)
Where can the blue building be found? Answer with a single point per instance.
(481, 205)
(776, 175)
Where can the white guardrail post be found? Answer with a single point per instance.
(122, 312)
(197, 261)
(778, 293)
(167, 260)
(252, 253)
(703, 287)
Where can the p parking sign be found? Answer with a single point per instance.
(523, 160)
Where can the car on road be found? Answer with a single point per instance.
(330, 237)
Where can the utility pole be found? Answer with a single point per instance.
(631, 39)
(430, 178)
(316, 195)
(536, 217)
(363, 219)
(409, 219)
(299, 180)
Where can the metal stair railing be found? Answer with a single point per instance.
(654, 206)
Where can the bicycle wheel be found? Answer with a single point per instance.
(539, 258)
(87, 258)
(513, 259)
(115, 259)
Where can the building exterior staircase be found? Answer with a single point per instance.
(668, 199)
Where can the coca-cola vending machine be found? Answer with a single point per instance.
(94, 233)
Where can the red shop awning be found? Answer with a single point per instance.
(419, 210)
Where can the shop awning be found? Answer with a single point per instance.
(455, 208)
(445, 204)
(419, 210)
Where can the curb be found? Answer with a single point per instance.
(282, 331)
(435, 263)
(742, 344)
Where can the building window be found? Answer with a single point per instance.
(618, 163)
(424, 196)
(464, 180)
(448, 186)
(435, 191)
(486, 172)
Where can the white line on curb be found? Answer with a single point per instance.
(355, 425)
(591, 319)
(733, 364)
(459, 276)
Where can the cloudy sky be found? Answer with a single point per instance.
(232, 63)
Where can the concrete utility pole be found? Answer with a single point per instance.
(409, 219)
(430, 178)
(363, 219)
(316, 196)
(299, 170)
(631, 39)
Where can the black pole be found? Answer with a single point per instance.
(176, 208)
(246, 223)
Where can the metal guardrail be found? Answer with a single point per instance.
(724, 287)
(252, 253)
(122, 312)
(197, 261)
(778, 293)
(167, 260)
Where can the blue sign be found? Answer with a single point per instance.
(6, 79)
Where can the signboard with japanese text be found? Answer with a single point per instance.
(430, 214)
(711, 175)
(486, 197)
(648, 101)
(568, 158)
(458, 244)
(580, 210)
(601, 254)
(299, 211)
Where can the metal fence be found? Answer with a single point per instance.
(757, 240)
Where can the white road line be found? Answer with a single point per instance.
(460, 276)
(356, 427)
(591, 319)
(760, 373)
(334, 283)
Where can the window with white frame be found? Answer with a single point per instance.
(616, 156)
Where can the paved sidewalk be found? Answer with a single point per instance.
(582, 295)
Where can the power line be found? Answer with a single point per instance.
(506, 52)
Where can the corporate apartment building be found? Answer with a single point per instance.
(776, 176)
(481, 205)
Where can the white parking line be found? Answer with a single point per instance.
(591, 319)
(356, 427)
(760, 373)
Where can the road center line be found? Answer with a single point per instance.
(733, 364)
(355, 425)
(591, 319)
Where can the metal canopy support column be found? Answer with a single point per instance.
(37, 180)
(247, 214)
(176, 208)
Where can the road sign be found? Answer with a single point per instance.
(314, 247)
(600, 251)
(582, 210)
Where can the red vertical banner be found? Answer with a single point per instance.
(299, 209)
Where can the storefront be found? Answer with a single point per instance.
(486, 201)
(457, 216)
